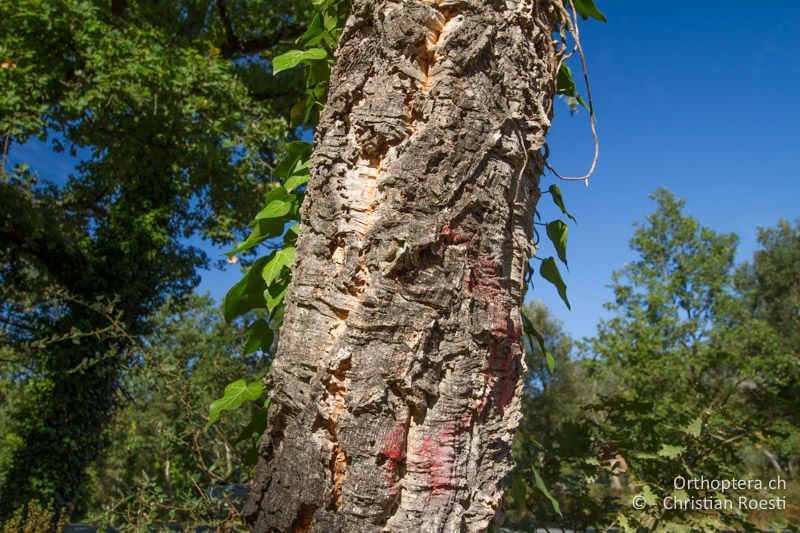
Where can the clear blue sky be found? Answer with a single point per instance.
(698, 97)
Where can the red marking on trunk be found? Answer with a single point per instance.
(484, 279)
(437, 455)
(395, 447)
(500, 372)
(501, 316)
(454, 234)
(451, 234)
(484, 282)
(395, 451)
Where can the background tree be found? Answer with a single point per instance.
(163, 465)
(696, 378)
(176, 118)
(689, 377)
(769, 285)
(552, 480)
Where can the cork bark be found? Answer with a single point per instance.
(396, 385)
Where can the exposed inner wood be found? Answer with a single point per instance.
(427, 51)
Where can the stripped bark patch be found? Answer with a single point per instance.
(337, 387)
(427, 52)
(304, 518)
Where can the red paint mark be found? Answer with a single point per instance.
(454, 234)
(437, 456)
(395, 451)
(500, 371)
(395, 448)
(484, 282)
(451, 234)
(484, 279)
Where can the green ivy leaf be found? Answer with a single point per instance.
(314, 33)
(257, 425)
(236, 394)
(531, 331)
(541, 486)
(557, 232)
(274, 294)
(551, 362)
(281, 258)
(247, 294)
(586, 9)
(251, 456)
(275, 193)
(292, 58)
(277, 208)
(565, 84)
(297, 158)
(259, 336)
(549, 271)
(296, 181)
(558, 199)
(262, 230)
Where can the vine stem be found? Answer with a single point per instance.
(572, 26)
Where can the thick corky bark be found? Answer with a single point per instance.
(395, 390)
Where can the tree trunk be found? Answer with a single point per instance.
(396, 387)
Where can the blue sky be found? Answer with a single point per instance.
(698, 97)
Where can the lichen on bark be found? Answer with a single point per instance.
(396, 385)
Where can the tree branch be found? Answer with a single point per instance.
(230, 37)
(255, 45)
(118, 8)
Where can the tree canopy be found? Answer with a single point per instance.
(176, 118)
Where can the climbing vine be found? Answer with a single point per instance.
(264, 284)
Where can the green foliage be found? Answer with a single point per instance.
(236, 394)
(696, 372)
(587, 8)
(552, 448)
(259, 337)
(35, 517)
(164, 464)
(687, 378)
(177, 120)
(557, 233)
(565, 85)
(558, 199)
(532, 333)
(772, 280)
(549, 271)
(266, 281)
(543, 489)
(292, 58)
